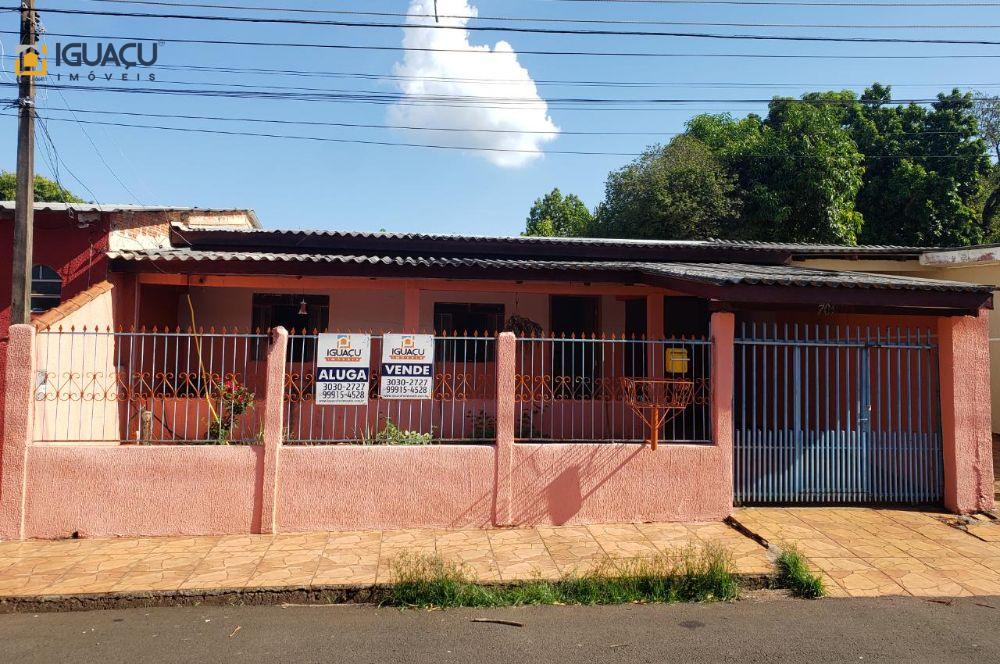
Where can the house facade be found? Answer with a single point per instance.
(568, 381)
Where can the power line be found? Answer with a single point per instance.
(460, 101)
(463, 148)
(539, 19)
(320, 123)
(526, 30)
(97, 150)
(474, 51)
(379, 76)
(791, 3)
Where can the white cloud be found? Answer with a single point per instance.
(526, 122)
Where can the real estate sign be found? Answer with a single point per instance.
(407, 366)
(343, 366)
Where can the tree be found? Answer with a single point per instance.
(45, 189)
(987, 110)
(558, 215)
(798, 169)
(679, 191)
(924, 170)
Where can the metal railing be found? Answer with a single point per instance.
(463, 409)
(573, 389)
(149, 386)
(828, 413)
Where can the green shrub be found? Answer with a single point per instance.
(390, 434)
(794, 574)
(692, 576)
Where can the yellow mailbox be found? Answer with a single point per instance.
(676, 360)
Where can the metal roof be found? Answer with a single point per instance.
(706, 273)
(281, 237)
(47, 206)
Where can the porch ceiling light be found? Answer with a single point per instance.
(303, 308)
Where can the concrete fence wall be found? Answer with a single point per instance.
(55, 491)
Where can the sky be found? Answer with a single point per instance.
(534, 108)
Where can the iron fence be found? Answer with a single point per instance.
(578, 389)
(836, 414)
(149, 386)
(463, 408)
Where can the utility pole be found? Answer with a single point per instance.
(24, 203)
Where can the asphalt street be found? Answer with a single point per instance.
(775, 630)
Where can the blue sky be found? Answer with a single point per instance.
(303, 184)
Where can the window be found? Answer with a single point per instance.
(296, 313)
(575, 366)
(686, 316)
(461, 318)
(46, 288)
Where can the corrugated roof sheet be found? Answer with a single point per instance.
(797, 248)
(48, 206)
(708, 273)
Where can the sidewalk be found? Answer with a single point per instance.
(858, 552)
(868, 552)
(314, 560)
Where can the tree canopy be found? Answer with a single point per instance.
(680, 190)
(46, 190)
(830, 167)
(558, 215)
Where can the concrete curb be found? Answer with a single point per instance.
(342, 594)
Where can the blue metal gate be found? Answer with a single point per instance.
(835, 414)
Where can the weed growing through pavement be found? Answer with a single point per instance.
(693, 575)
(794, 574)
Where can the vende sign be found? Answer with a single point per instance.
(407, 366)
(343, 369)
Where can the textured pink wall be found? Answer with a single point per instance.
(356, 487)
(140, 490)
(17, 431)
(553, 483)
(965, 412)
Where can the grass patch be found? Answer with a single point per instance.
(701, 575)
(794, 574)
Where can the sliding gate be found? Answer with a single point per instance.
(828, 414)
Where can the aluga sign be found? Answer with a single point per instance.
(343, 369)
(407, 366)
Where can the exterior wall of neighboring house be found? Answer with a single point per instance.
(75, 246)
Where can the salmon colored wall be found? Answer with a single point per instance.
(357, 487)
(139, 490)
(578, 484)
(965, 413)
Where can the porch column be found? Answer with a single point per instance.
(723, 324)
(505, 427)
(18, 430)
(964, 361)
(274, 411)
(411, 309)
(654, 317)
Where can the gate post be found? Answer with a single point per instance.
(274, 410)
(723, 324)
(505, 428)
(964, 360)
(19, 429)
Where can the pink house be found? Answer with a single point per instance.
(573, 381)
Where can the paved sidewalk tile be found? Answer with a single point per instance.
(298, 560)
(861, 552)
